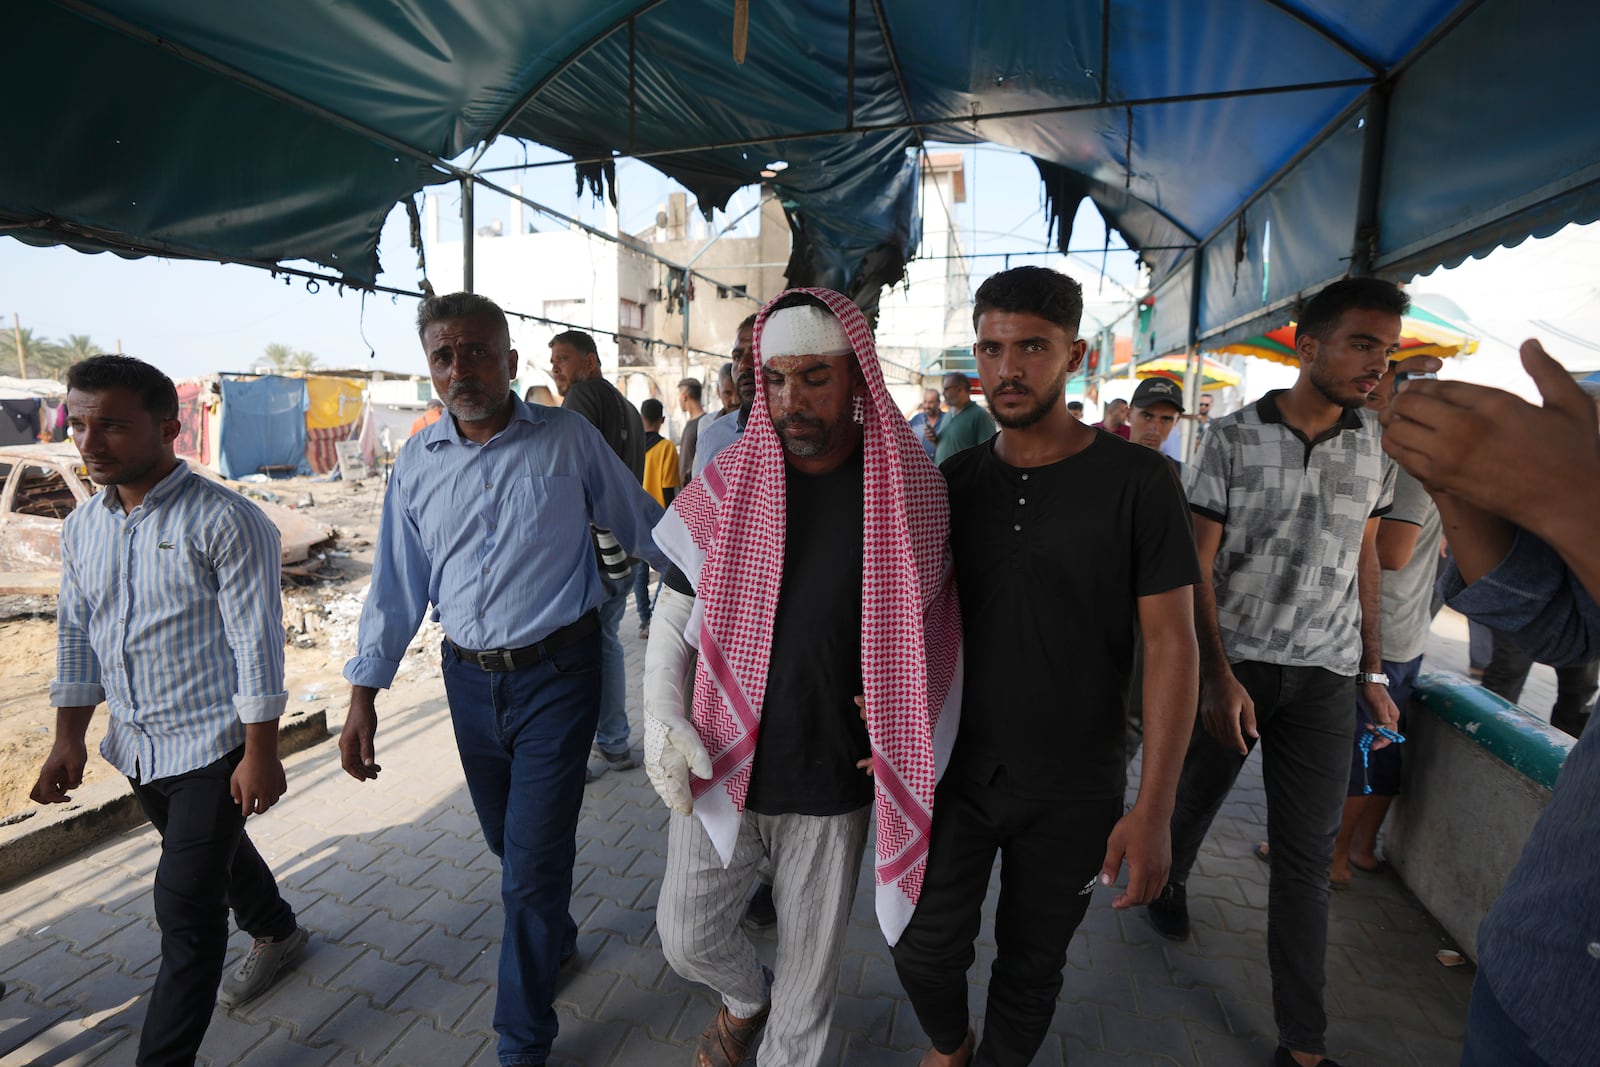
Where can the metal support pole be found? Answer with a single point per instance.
(1365, 249)
(466, 234)
(1192, 371)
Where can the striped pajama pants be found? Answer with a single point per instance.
(816, 862)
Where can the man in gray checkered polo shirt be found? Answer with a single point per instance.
(1286, 495)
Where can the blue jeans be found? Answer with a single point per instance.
(1492, 1039)
(612, 733)
(641, 591)
(524, 738)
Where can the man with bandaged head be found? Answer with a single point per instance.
(817, 547)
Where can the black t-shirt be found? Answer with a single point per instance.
(1049, 561)
(811, 730)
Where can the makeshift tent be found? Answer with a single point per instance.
(333, 414)
(196, 399)
(263, 427)
(1250, 150)
(21, 418)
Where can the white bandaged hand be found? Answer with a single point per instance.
(672, 746)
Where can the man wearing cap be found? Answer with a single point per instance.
(812, 575)
(967, 424)
(1157, 404)
(1038, 773)
(487, 519)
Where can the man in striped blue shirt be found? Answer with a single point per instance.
(169, 613)
(487, 518)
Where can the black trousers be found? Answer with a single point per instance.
(1507, 673)
(1306, 717)
(207, 865)
(1050, 856)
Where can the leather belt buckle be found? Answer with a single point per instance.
(496, 659)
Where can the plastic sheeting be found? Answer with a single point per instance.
(332, 401)
(263, 425)
(263, 133)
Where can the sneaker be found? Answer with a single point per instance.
(762, 914)
(260, 968)
(601, 761)
(1169, 912)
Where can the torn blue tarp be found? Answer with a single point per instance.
(1383, 136)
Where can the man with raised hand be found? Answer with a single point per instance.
(828, 637)
(487, 518)
(1053, 596)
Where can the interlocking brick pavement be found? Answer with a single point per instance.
(401, 896)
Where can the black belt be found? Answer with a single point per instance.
(514, 659)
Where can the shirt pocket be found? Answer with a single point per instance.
(548, 505)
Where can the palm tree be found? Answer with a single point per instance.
(303, 361)
(38, 355)
(77, 346)
(279, 356)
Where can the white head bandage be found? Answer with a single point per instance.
(804, 331)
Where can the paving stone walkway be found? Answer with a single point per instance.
(401, 896)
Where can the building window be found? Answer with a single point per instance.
(630, 316)
(725, 292)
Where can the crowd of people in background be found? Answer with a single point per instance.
(948, 633)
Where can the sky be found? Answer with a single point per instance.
(193, 318)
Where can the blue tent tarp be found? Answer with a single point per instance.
(1381, 135)
(263, 425)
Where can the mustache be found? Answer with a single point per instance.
(792, 421)
(1012, 389)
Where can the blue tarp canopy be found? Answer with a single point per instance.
(1249, 149)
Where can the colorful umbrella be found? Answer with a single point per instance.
(1213, 375)
(1422, 333)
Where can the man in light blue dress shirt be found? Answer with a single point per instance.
(169, 613)
(487, 518)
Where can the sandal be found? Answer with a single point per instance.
(726, 1043)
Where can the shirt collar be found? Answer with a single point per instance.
(1267, 408)
(444, 430)
(160, 491)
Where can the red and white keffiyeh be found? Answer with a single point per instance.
(725, 531)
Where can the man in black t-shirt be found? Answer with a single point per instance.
(1069, 544)
(816, 544)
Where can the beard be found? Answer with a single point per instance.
(1044, 400)
(1329, 388)
(808, 447)
(472, 404)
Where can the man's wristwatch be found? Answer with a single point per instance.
(1379, 679)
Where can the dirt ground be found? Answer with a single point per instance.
(320, 614)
